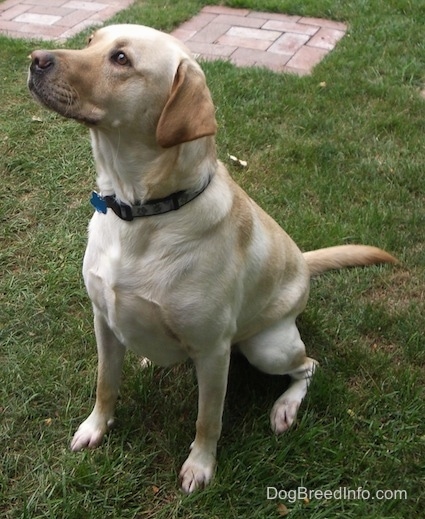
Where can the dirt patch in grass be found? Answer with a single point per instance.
(398, 291)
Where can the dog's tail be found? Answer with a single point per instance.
(341, 256)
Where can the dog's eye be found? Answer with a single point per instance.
(120, 58)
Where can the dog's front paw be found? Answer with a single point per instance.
(283, 415)
(197, 472)
(91, 432)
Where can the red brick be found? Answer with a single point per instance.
(182, 34)
(280, 42)
(85, 24)
(118, 4)
(198, 22)
(289, 43)
(259, 34)
(37, 19)
(72, 19)
(44, 9)
(211, 49)
(211, 32)
(30, 29)
(25, 36)
(248, 43)
(275, 16)
(326, 38)
(240, 21)
(306, 58)
(248, 57)
(7, 25)
(295, 27)
(4, 6)
(14, 11)
(106, 13)
(221, 9)
(51, 3)
(84, 5)
(321, 22)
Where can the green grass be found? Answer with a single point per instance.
(332, 164)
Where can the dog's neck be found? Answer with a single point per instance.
(136, 172)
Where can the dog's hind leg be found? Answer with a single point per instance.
(110, 360)
(286, 407)
(279, 350)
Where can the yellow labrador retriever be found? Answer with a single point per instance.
(180, 262)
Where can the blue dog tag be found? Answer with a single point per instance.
(98, 202)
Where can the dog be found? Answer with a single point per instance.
(180, 262)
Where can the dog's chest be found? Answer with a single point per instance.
(122, 288)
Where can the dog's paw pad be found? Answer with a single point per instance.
(283, 415)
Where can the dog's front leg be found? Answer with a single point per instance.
(110, 359)
(212, 372)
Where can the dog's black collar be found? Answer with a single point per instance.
(127, 212)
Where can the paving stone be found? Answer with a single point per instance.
(13, 11)
(275, 16)
(242, 21)
(222, 9)
(289, 43)
(326, 38)
(280, 42)
(211, 49)
(198, 22)
(248, 43)
(246, 32)
(321, 22)
(210, 33)
(55, 19)
(51, 3)
(4, 6)
(39, 19)
(72, 19)
(183, 34)
(307, 57)
(252, 57)
(84, 6)
(294, 27)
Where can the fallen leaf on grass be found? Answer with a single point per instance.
(283, 511)
(238, 162)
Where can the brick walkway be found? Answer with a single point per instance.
(55, 19)
(277, 41)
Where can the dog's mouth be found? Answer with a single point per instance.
(48, 89)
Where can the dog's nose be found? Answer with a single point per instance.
(41, 61)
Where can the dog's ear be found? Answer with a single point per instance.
(189, 111)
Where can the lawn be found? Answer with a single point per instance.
(336, 157)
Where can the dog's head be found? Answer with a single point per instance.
(128, 75)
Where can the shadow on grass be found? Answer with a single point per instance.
(160, 399)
